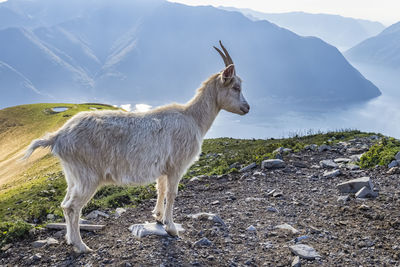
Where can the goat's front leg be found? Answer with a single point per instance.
(172, 190)
(161, 186)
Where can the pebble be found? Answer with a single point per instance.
(304, 251)
(394, 170)
(296, 262)
(216, 202)
(251, 228)
(208, 216)
(331, 174)
(272, 164)
(96, 213)
(343, 199)
(248, 167)
(287, 227)
(119, 212)
(353, 186)
(392, 164)
(272, 209)
(204, 242)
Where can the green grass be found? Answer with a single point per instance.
(381, 153)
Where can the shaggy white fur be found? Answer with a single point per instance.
(115, 147)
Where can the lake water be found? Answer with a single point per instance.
(381, 115)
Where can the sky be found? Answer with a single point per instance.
(384, 11)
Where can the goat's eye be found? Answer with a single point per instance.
(236, 88)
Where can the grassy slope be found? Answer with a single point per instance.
(37, 189)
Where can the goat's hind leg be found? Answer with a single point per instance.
(79, 196)
(161, 186)
(172, 190)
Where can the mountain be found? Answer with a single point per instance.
(342, 32)
(155, 52)
(381, 50)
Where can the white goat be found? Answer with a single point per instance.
(115, 147)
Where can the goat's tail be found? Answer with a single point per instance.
(46, 141)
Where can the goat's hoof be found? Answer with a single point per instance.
(158, 216)
(171, 230)
(68, 239)
(82, 248)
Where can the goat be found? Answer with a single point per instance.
(115, 147)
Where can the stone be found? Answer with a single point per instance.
(352, 167)
(216, 202)
(328, 163)
(250, 199)
(287, 227)
(353, 186)
(248, 167)
(296, 262)
(204, 242)
(392, 164)
(281, 150)
(41, 243)
(342, 160)
(343, 199)
(324, 147)
(272, 164)
(119, 212)
(259, 174)
(366, 192)
(96, 213)
(36, 257)
(356, 158)
(300, 164)
(304, 251)
(251, 228)
(142, 230)
(51, 217)
(235, 165)
(397, 157)
(272, 209)
(312, 147)
(331, 174)
(208, 216)
(51, 241)
(394, 170)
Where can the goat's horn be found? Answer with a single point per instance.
(223, 57)
(228, 57)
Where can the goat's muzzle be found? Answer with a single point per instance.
(245, 108)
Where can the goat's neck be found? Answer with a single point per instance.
(203, 107)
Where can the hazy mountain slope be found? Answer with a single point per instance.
(339, 31)
(382, 50)
(15, 88)
(50, 74)
(155, 52)
(274, 62)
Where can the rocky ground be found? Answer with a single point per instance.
(343, 231)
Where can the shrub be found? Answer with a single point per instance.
(13, 231)
(381, 153)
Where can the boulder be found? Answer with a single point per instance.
(397, 157)
(353, 186)
(272, 164)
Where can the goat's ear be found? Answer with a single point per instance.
(228, 72)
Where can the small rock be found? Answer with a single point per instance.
(343, 199)
(366, 192)
(397, 157)
(36, 257)
(272, 164)
(119, 212)
(234, 165)
(304, 251)
(296, 262)
(328, 163)
(324, 147)
(300, 164)
(6, 247)
(251, 228)
(277, 194)
(216, 202)
(142, 230)
(342, 160)
(96, 213)
(352, 167)
(356, 158)
(281, 150)
(312, 147)
(83, 221)
(204, 242)
(248, 167)
(287, 227)
(51, 241)
(331, 174)
(298, 239)
(364, 207)
(194, 179)
(394, 170)
(39, 243)
(272, 209)
(208, 216)
(353, 186)
(259, 174)
(250, 199)
(50, 217)
(392, 164)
